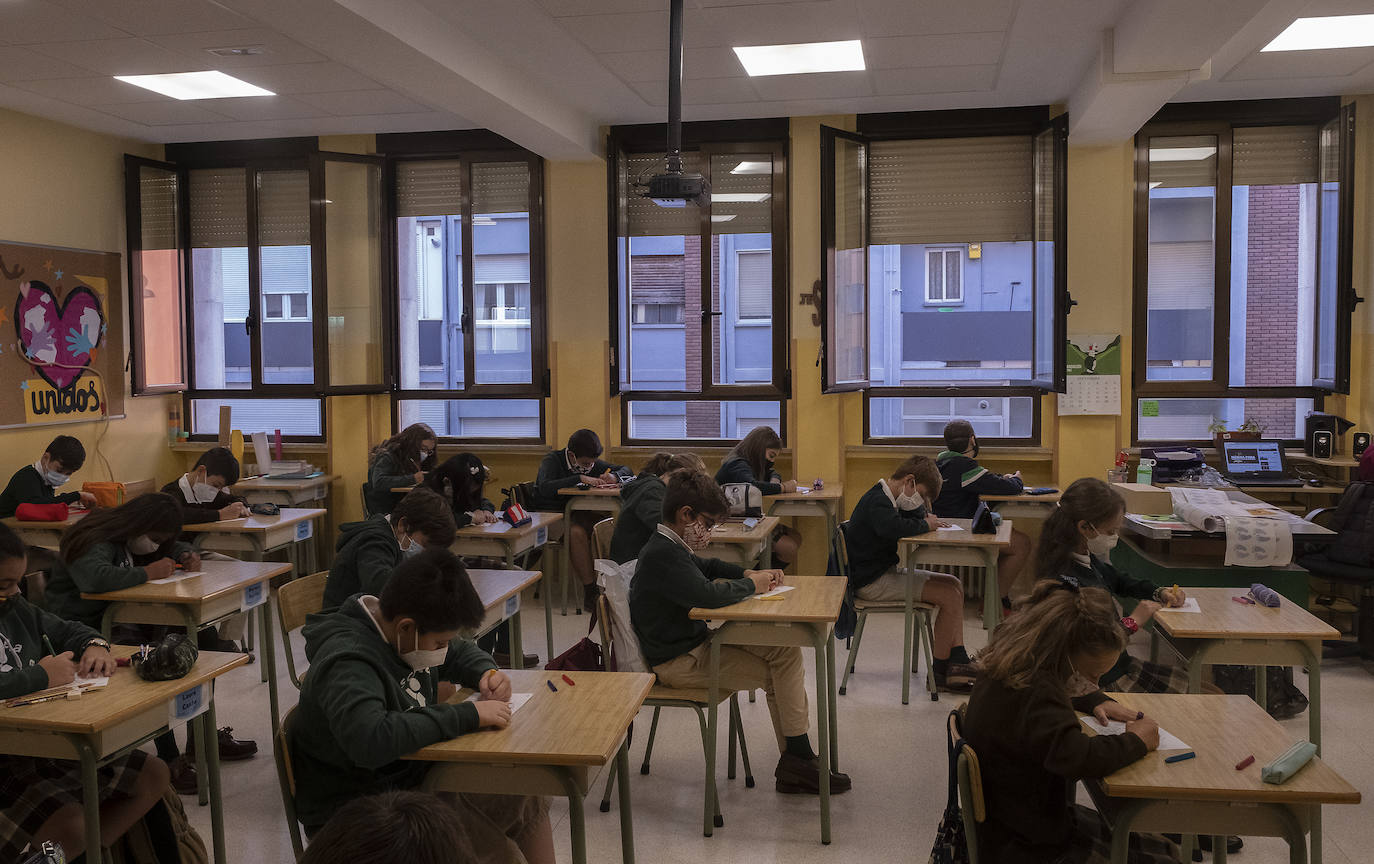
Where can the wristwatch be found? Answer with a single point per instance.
(1129, 623)
(96, 642)
(1158, 596)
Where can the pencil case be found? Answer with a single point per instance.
(1288, 763)
(1264, 595)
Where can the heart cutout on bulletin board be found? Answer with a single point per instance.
(64, 333)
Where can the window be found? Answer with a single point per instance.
(944, 276)
(1243, 293)
(699, 303)
(153, 217)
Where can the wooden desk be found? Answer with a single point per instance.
(254, 537)
(1229, 632)
(508, 543)
(552, 746)
(43, 534)
(962, 549)
(1207, 795)
(500, 593)
(1024, 506)
(218, 590)
(103, 725)
(824, 503)
(285, 493)
(747, 547)
(805, 617)
(601, 499)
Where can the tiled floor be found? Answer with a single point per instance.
(894, 753)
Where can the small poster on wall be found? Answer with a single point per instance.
(61, 336)
(1094, 375)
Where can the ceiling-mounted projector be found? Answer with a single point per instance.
(675, 188)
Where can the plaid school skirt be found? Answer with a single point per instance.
(1142, 676)
(32, 789)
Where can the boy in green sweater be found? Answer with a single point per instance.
(381, 671)
(37, 483)
(369, 550)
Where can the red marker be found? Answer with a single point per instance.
(1245, 763)
(570, 681)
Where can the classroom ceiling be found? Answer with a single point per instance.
(550, 73)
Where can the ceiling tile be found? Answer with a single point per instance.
(775, 24)
(263, 108)
(124, 57)
(21, 64)
(827, 85)
(697, 63)
(363, 102)
(152, 17)
(1339, 62)
(955, 49)
(165, 113)
(936, 79)
(916, 17)
(278, 49)
(630, 32)
(307, 78)
(92, 92)
(28, 23)
(566, 8)
(709, 91)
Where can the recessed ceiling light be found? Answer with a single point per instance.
(195, 85)
(723, 217)
(803, 58)
(1328, 31)
(1181, 154)
(752, 168)
(740, 197)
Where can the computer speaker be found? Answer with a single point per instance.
(1359, 442)
(1321, 444)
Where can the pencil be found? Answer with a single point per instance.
(47, 643)
(551, 687)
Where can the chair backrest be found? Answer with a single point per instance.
(617, 628)
(286, 781)
(295, 601)
(366, 492)
(842, 549)
(601, 538)
(135, 488)
(971, 804)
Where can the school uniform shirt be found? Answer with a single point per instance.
(668, 582)
(735, 469)
(556, 472)
(964, 481)
(384, 474)
(641, 509)
(27, 486)
(194, 512)
(1032, 749)
(364, 556)
(104, 567)
(362, 708)
(1092, 572)
(22, 628)
(875, 526)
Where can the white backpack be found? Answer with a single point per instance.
(614, 580)
(745, 499)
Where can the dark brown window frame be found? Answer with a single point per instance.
(1032, 440)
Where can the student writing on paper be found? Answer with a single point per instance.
(751, 461)
(1037, 673)
(367, 551)
(670, 579)
(38, 483)
(400, 460)
(895, 507)
(203, 492)
(41, 799)
(641, 502)
(381, 669)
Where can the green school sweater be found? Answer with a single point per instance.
(362, 709)
(105, 567)
(875, 526)
(554, 474)
(22, 628)
(1100, 574)
(384, 474)
(364, 556)
(641, 509)
(669, 580)
(27, 486)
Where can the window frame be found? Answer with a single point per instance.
(1032, 440)
(1221, 119)
(133, 224)
(679, 443)
(944, 299)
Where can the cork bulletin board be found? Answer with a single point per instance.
(61, 335)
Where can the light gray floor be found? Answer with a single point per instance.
(894, 753)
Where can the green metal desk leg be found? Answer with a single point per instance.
(90, 791)
(210, 763)
(269, 659)
(577, 821)
(908, 625)
(517, 644)
(822, 728)
(712, 697)
(202, 742)
(833, 700)
(627, 824)
(992, 593)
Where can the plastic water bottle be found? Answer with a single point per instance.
(1145, 472)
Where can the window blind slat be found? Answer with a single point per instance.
(501, 268)
(500, 187)
(284, 208)
(756, 181)
(950, 190)
(157, 197)
(644, 218)
(1274, 155)
(429, 188)
(219, 208)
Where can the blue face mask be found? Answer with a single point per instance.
(410, 548)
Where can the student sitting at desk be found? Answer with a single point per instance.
(641, 507)
(670, 580)
(965, 480)
(369, 550)
(461, 480)
(751, 461)
(37, 483)
(1022, 721)
(201, 492)
(400, 460)
(381, 671)
(41, 799)
(401, 825)
(895, 508)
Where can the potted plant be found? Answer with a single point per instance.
(1250, 430)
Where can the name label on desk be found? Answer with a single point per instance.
(188, 704)
(512, 605)
(541, 535)
(305, 530)
(254, 596)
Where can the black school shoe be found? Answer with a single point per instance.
(231, 749)
(183, 775)
(798, 776)
(1204, 844)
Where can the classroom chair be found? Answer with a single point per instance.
(1322, 567)
(971, 805)
(601, 537)
(613, 606)
(286, 781)
(365, 491)
(296, 600)
(918, 621)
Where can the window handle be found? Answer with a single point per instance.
(250, 323)
(1068, 307)
(707, 313)
(464, 322)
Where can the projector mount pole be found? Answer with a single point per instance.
(675, 87)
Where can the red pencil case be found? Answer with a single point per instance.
(56, 512)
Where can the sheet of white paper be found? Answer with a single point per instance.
(1189, 605)
(496, 527)
(950, 528)
(93, 681)
(1116, 727)
(178, 575)
(805, 490)
(1257, 542)
(517, 700)
(781, 589)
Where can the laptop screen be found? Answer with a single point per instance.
(1253, 457)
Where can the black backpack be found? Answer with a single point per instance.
(1354, 526)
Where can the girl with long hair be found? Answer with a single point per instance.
(461, 481)
(751, 461)
(400, 460)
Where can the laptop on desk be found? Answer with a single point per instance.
(1256, 463)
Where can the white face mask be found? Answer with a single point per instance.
(421, 660)
(142, 545)
(204, 493)
(425, 454)
(56, 478)
(909, 502)
(1102, 545)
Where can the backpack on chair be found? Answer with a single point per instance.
(1353, 523)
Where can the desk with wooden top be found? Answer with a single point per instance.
(306, 492)
(46, 535)
(597, 499)
(255, 536)
(806, 501)
(1025, 505)
(1207, 795)
(1229, 632)
(502, 540)
(553, 746)
(102, 725)
(962, 548)
(500, 593)
(804, 617)
(739, 544)
(198, 599)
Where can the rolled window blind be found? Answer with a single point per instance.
(1183, 161)
(284, 208)
(644, 218)
(742, 194)
(500, 187)
(157, 205)
(1274, 155)
(950, 190)
(755, 279)
(429, 188)
(219, 207)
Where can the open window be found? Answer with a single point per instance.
(153, 208)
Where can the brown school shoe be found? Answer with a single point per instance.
(183, 775)
(798, 776)
(958, 678)
(231, 749)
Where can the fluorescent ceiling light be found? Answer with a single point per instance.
(1181, 154)
(740, 197)
(752, 168)
(1157, 183)
(1329, 31)
(725, 217)
(803, 58)
(195, 85)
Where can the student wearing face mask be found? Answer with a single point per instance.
(670, 579)
(202, 491)
(381, 669)
(751, 461)
(38, 483)
(400, 460)
(892, 509)
(369, 550)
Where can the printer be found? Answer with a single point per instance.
(1174, 464)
